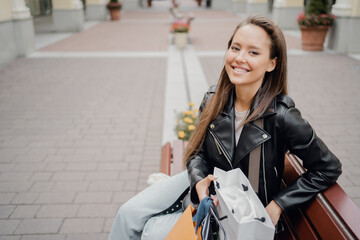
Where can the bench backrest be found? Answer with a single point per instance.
(331, 215)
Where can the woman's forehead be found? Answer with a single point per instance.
(252, 35)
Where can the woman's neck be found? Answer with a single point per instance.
(244, 98)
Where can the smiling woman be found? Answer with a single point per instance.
(252, 88)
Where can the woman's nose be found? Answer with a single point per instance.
(240, 57)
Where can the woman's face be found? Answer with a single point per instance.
(248, 58)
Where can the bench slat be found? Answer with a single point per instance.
(166, 158)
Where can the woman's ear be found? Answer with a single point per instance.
(272, 65)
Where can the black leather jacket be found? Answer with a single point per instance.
(284, 129)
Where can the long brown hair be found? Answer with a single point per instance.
(274, 83)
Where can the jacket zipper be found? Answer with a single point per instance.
(276, 172)
(264, 176)
(220, 149)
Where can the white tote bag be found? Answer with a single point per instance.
(246, 216)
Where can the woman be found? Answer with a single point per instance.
(252, 86)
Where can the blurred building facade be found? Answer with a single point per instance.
(17, 35)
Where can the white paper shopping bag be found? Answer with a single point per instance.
(246, 216)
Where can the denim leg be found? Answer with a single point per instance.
(132, 216)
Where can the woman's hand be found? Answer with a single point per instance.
(202, 188)
(274, 211)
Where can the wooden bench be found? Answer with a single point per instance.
(331, 215)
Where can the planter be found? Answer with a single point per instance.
(114, 9)
(149, 2)
(180, 40)
(313, 37)
(114, 14)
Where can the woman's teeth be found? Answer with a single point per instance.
(240, 70)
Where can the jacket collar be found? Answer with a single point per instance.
(251, 137)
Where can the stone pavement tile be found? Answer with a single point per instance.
(55, 166)
(5, 167)
(98, 210)
(25, 198)
(355, 179)
(82, 225)
(42, 186)
(70, 186)
(29, 167)
(10, 237)
(58, 211)
(39, 226)
(123, 196)
(102, 175)
(6, 210)
(8, 226)
(93, 197)
(55, 197)
(78, 158)
(30, 158)
(41, 176)
(130, 185)
(5, 198)
(128, 175)
(44, 237)
(112, 166)
(92, 236)
(81, 167)
(19, 186)
(353, 191)
(89, 150)
(68, 176)
(54, 158)
(128, 37)
(25, 211)
(106, 186)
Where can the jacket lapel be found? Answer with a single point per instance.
(251, 137)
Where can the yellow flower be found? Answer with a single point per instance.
(191, 127)
(191, 104)
(196, 110)
(188, 120)
(181, 134)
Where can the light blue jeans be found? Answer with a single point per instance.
(134, 219)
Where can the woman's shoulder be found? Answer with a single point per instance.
(283, 100)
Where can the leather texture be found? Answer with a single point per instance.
(284, 130)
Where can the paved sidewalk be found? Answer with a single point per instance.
(81, 120)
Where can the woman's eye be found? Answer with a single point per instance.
(254, 53)
(235, 48)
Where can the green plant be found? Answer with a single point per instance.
(114, 5)
(316, 14)
(186, 122)
(317, 7)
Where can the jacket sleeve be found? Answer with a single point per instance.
(198, 168)
(323, 167)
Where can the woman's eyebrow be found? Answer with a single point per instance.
(250, 46)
